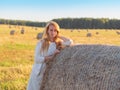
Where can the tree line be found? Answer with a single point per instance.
(22, 22)
(72, 23)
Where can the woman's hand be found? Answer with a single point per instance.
(56, 52)
(64, 38)
(48, 58)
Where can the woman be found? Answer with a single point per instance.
(45, 50)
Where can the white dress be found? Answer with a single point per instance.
(39, 65)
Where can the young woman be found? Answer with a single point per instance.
(46, 49)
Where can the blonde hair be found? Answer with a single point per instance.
(46, 39)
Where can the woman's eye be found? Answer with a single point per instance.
(55, 30)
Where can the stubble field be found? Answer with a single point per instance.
(17, 51)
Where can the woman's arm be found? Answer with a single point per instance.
(38, 57)
(66, 41)
(48, 58)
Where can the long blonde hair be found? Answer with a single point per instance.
(46, 39)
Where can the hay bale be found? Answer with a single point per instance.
(39, 35)
(84, 67)
(35, 28)
(71, 30)
(10, 26)
(22, 31)
(78, 30)
(89, 35)
(118, 32)
(97, 33)
(12, 32)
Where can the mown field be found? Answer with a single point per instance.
(17, 51)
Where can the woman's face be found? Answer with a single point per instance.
(52, 32)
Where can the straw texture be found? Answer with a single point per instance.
(84, 67)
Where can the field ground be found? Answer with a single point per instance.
(17, 51)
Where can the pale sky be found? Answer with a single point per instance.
(45, 10)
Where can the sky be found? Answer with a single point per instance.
(46, 10)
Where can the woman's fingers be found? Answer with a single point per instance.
(57, 51)
(47, 58)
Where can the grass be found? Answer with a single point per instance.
(17, 51)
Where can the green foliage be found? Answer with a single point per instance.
(71, 23)
(88, 23)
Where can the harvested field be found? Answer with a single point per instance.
(84, 67)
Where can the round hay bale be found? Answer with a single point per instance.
(12, 32)
(118, 32)
(22, 31)
(97, 33)
(78, 30)
(84, 67)
(39, 35)
(71, 30)
(35, 28)
(89, 35)
(10, 26)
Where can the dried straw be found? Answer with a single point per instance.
(84, 67)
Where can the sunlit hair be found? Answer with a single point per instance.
(46, 38)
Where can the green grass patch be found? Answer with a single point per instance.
(17, 46)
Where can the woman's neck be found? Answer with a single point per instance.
(51, 40)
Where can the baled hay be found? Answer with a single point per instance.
(84, 67)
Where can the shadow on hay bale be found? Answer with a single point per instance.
(84, 67)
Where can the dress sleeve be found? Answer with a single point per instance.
(67, 43)
(38, 57)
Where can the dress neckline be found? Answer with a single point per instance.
(52, 42)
